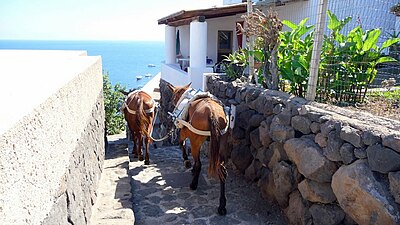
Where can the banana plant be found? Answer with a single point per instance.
(348, 62)
(294, 55)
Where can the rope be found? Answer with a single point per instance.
(151, 133)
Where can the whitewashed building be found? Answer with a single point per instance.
(197, 39)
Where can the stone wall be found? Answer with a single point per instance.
(52, 155)
(321, 164)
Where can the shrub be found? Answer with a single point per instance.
(235, 63)
(113, 99)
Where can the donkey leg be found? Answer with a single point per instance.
(182, 145)
(196, 174)
(146, 157)
(147, 141)
(222, 198)
(139, 147)
(196, 144)
(134, 150)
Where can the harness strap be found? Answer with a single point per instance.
(179, 123)
(134, 112)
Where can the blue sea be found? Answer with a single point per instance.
(123, 60)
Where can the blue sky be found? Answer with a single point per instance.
(89, 19)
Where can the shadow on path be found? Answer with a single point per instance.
(161, 195)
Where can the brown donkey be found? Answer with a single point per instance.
(204, 114)
(138, 110)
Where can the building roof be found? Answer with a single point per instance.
(184, 17)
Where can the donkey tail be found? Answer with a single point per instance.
(142, 120)
(214, 162)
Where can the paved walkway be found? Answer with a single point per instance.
(113, 205)
(161, 194)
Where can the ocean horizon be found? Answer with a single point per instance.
(124, 61)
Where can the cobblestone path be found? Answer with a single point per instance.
(161, 195)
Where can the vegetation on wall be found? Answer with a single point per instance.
(348, 62)
(235, 63)
(294, 56)
(113, 99)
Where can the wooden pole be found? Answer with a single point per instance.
(316, 52)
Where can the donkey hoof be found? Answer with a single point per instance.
(193, 186)
(141, 158)
(222, 211)
(187, 163)
(147, 162)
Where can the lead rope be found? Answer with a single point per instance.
(151, 133)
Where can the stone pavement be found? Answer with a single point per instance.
(113, 205)
(159, 193)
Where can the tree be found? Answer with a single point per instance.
(266, 28)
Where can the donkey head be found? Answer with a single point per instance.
(177, 92)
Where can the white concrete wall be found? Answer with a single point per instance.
(214, 25)
(225, 23)
(47, 100)
(174, 75)
(170, 44)
(296, 11)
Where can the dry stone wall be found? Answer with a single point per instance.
(322, 164)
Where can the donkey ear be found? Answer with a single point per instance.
(124, 92)
(171, 87)
(188, 85)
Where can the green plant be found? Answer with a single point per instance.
(348, 62)
(235, 63)
(294, 55)
(113, 99)
(394, 94)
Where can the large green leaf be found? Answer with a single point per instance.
(333, 21)
(335, 24)
(356, 35)
(287, 73)
(259, 55)
(288, 23)
(372, 37)
(390, 42)
(303, 22)
(385, 59)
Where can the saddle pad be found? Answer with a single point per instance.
(190, 95)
